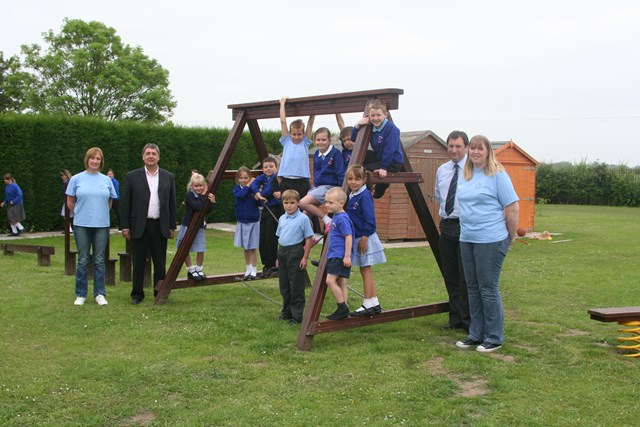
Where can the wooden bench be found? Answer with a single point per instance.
(109, 268)
(44, 252)
(615, 314)
(625, 316)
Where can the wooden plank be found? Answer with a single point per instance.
(348, 102)
(32, 249)
(220, 279)
(325, 326)
(615, 314)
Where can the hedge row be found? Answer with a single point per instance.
(589, 184)
(36, 148)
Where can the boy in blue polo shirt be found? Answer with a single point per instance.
(340, 251)
(294, 237)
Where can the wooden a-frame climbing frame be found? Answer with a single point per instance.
(249, 114)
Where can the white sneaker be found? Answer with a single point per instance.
(79, 301)
(101, 300)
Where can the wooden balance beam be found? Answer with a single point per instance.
(44, 252)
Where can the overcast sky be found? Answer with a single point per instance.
(559, 78)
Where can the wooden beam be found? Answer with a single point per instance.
(349, 102)
(615, 314)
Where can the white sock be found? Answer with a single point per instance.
(20, 227)
(254, 270)
(191, 269)
(374, 301)
(198, 268)
(326, 219)
(368, 303)
(14, 229)
(248, 269)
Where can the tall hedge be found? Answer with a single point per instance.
(36, 148)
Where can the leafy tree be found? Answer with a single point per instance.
(11, 94)
(87, 70)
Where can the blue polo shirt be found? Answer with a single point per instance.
(293, 229)
(92, 192)
(341, 227)
(295, 158)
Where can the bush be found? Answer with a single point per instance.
(35, 148)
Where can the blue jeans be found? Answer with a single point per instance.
(482, 266)
(87, 237)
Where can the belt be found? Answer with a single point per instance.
(453, 220)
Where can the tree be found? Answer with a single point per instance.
(11, 84)
(88, 71)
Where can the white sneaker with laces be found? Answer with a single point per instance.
(101, 300)
(79, 301)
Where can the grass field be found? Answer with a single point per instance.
(216, 356)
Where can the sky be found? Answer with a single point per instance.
(559, 78)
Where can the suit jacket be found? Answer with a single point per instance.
(134, 202)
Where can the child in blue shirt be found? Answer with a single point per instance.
(294, 165)
(328, 172)
(248, 215)
(294, 237)
(340, 251)
(15, 206)
(194, 201)
(385, 141)
(267, 192)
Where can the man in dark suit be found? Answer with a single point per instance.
(148, 217)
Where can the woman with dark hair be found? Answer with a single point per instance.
(89, 196)
(14, 202)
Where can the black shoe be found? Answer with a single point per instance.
(315, 263)
(12, 235)
(284, 317)
(136, 301)
(366, 312)
(294, 322)
(193, 275)
(20, 232)
(467, 342)
(342, 312)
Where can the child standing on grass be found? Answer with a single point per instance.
(294, 165)
(248, 215)
(294, 237)
(385, 141)
(195, 200)
(340, 251)
(368, 247)
(328, 172)
(267, 191)
(15, 207)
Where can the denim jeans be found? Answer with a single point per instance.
(482, 266)
(87, 237)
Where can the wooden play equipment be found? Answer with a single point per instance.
(624, 316)
(44, 252)
(249, 114)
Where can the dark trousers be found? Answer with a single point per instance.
(301, 185)
(371, 163)
(291, 280)
(268, 238)
(152, 240)
(449, 244)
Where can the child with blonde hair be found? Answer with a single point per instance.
(195, 200)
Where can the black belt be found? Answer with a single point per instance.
(454, 220)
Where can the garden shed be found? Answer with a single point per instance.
(396, 218)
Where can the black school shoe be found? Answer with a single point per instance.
(342, 312)
(366, 311)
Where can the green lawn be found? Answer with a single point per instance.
(216, 356)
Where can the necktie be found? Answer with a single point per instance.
(451, 195)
